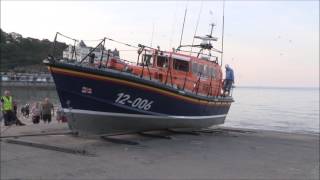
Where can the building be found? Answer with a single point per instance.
(81, 50)
(15, 36)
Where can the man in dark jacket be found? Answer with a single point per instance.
(46, 108)
(228, 81)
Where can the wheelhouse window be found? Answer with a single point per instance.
(162, 61)
(201, 69)
(212, 72)
(148, 59)
(206, 71)
(195, 68)
(181, 65)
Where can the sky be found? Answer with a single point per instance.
(267, 43)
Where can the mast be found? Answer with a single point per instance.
(195, 32)
(184, 20)
(222, 33)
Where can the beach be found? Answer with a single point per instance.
(226, 153)
(241, 83)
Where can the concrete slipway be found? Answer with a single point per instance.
(224, 154)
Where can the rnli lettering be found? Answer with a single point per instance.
(140, 103)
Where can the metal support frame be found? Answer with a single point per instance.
(183, 132)
(119, 141)
(48, 147)
(155, 135)
(39, 134)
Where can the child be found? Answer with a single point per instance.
(36, 113)
(61, 115)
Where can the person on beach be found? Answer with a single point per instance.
(46, 109)
(25, 110)
(15, 110)
(7, 108)
(1, 115)
(228, 82)
(36, 113)
(61, 118)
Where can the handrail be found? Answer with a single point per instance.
(178, 80)
(92, 50)
(169, 71)
(143, 64)
(102, 53)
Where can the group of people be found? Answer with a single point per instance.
(43, 110)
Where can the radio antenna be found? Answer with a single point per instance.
(152, 34)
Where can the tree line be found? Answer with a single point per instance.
(22, 54)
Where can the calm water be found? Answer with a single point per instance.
(281, 109)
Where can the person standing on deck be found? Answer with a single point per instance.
(46, 108)
(228, 82)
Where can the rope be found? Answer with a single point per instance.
(77, 40)
(126, 44)
(67, 37)
(127, 50)
(92, 39)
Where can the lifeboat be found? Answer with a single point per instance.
(161, 90)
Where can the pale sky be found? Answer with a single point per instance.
(268, 43)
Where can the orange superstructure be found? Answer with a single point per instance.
(188, 73)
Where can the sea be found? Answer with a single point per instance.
(267, 108)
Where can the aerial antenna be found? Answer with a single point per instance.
(152, 34)
(212, 25)
(195, 32)
(184, 20)
(222, 32)
(210, 36)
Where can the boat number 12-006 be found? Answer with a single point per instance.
(139, 103)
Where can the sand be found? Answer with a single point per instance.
(226, 154)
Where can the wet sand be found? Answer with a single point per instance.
(225, 154)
